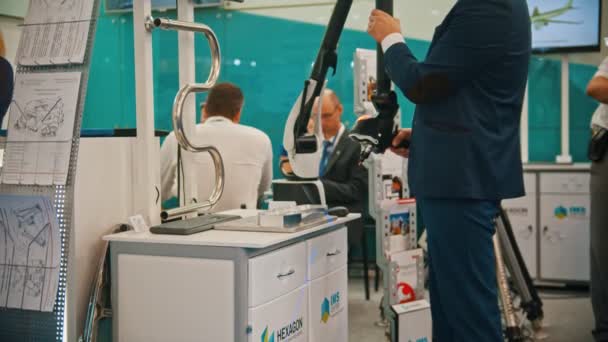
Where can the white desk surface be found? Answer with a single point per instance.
(225, 238)
(557, 167)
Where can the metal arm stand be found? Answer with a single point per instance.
(508, 258)
(179, 126)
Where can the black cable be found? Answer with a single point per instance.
(183, 180)
(179, 173)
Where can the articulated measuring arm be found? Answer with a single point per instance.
(303, 148)
(326, 58)
(374, 135)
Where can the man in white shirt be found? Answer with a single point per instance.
(246, 152)
(598, 89)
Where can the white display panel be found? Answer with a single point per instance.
(565, 25)
(522, 214)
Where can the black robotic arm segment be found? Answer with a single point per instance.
(376, 134)
(326, 58)
(383, 80)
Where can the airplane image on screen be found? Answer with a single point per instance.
(541, 19)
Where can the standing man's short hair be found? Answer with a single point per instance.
(224, 99)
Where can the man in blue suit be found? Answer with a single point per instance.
(465, 152)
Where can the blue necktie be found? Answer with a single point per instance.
(325, 156)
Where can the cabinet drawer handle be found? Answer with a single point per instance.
(285, 275)
(337, 252)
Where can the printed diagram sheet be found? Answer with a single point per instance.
(55, 32)
(40, 129)
(30, 253)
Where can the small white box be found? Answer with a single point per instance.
(413, 322)
(407, 276)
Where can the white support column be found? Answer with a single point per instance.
(565, 157)
(525, 129)
(187, 69)
(146, 166)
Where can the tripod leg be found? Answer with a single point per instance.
(513, 331)
(531, 302)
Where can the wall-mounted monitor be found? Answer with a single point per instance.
(127, 5)
(561, 26)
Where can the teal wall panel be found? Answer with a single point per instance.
(270, 59)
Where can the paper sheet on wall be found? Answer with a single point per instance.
(55, 32)
(31, 243)
(41, 127)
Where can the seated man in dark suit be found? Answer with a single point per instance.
(344, 180)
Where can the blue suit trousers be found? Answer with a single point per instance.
(462, 269)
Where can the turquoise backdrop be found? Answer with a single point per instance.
(270, 59)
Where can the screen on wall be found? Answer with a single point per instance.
(122, 5)
(565, 25)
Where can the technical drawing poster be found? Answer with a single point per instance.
(30, 253)
(40, 129)
(564, 23)
(44, 107)
(55, 32)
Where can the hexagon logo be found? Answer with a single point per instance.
(266, 337)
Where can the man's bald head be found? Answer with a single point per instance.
(330, 111)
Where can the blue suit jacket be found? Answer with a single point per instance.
(6, 86)
(469, 93)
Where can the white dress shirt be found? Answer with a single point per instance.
(335, 139)
(247, 156)
(600, 118)
(390, 40)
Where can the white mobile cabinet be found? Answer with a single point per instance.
(551, 223)
(231, 285)
(564, 224)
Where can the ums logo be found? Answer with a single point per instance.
(573, 212)
(330, 307)
(561, 213)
